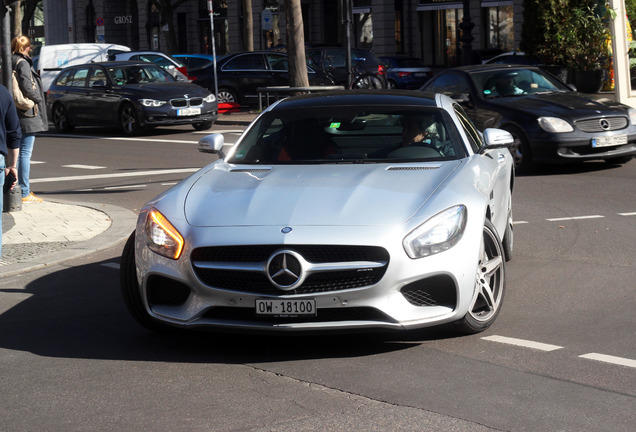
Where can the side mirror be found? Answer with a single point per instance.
(497, 138)
(212, 143)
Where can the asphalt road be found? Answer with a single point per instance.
(560, 357)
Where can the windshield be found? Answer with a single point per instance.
(516, 82)
(350, 134)
(138, 74)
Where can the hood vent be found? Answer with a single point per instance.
(250, 170)
(412, 168)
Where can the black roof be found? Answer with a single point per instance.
(491, 67)
(360, 97)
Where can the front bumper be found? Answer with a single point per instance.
(576, 147)
(410, 293)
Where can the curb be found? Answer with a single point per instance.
(123, 222)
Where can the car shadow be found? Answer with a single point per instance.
(78, 312)
(570, 169)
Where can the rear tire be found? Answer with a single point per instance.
(368, 81)
(131, 291)
(226, 96)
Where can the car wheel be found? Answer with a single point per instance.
(202, 126)
(619, 160)
(130, 288)
(60, 119)
(368, 81)
(508, 239)
(390, 84)
(520, 150)
(490, 283)
(128, 120)
(226, 96)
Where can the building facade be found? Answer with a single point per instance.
(429, 29)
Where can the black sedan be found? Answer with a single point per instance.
(548, 120)
(134, 96)
(240, 74)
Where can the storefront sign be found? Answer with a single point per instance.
(438, 6)
(124, 19)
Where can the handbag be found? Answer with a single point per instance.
(21, 102)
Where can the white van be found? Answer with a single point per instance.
(54, 58)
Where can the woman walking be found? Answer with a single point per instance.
(33, 120)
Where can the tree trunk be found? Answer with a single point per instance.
(248, 25)
(16, 25)
(296, 44)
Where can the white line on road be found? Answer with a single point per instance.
(125, 187)
(522, 343)
(115, 175)
(88, 167)
(627, 214)
(575, 218)
(519, 222)
(610, 359)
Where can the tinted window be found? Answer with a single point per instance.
(471, 131)
(79, 78)
(63, 77)
(449, 84)
(97, 75)
(349, 134)
(246, 62)
(277, 62)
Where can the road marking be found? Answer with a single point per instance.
(574, 218)
(169, 184)
(88, 167)
(522, 343)
(520, 222)
(125, 187)
(610, 359)
(115, 175)
(627, 214)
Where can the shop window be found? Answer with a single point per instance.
(499, 27)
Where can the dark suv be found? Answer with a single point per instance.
(331, 62)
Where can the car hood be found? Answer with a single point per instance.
(167, 90)
(344, 195)
(565, 105)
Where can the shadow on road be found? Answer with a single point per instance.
(78, 313)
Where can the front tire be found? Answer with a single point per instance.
(520, 150)
(60, 119)
(490, 284)
(130, 290)
(128, 120)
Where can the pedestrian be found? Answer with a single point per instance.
(33, 120)
(10, 136)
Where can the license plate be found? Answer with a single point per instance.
(608, 141)
(188, 111)
(420, 74)
(287, 308)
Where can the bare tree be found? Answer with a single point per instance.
(30, 6)
(296, 44)
(248, 25)
(16, 24)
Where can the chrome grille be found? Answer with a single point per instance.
(234, 267)
(184, 103)
(595, 125)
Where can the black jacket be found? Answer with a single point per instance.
(10, 133)
(29, 122)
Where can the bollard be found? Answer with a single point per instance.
(12, 200)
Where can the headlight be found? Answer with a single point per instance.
(161, 236)
(632, 116)
(151, 102)
(555, 125)
(209, 98)
(439, 233)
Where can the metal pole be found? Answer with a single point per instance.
(347, 12)
(7, 68)
(211, 10)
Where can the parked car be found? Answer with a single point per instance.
(134, 96)
(323, 217)
(331, 61)
(53, 58)
(193, 61)
(514, 57)
(549, 121)
(240, 74)
(405, 72)
(172, 66)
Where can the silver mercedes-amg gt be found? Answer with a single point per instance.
(334, 211)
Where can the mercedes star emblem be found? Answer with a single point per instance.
(285, 270)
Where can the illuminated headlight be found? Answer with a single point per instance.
(439, 233)
(555, 125)
(209, 98)
(151, 102)
(632, 116)
(162, 237)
